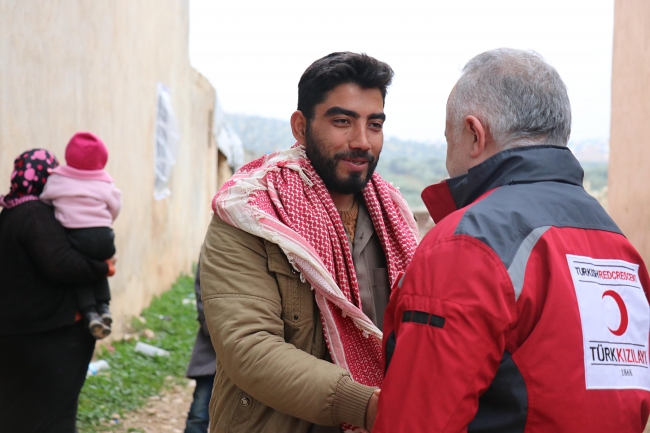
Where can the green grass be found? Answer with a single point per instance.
(134, 377)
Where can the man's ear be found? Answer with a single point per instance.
(476, 128)
(298, 126)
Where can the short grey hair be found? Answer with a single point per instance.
(516, 95)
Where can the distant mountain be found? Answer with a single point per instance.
(409, 165)
(261, 135)
(590, 151)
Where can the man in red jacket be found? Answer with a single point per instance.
(525, 309)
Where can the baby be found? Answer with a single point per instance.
(86, 202)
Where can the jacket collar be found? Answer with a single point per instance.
(529, 164)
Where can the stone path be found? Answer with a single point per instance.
(162, 413)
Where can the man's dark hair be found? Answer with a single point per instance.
(335, 69)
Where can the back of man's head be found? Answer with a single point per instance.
(335, 69)
(519, 97)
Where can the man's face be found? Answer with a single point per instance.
(455, 162)
(344, 138)
(458, 147)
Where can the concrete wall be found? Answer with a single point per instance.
(629, 161)
(70, 65)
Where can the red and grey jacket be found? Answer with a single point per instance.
(524, 310)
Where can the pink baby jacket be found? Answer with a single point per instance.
(82, 198)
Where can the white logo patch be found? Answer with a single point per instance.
(615, 321)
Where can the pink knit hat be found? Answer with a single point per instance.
(86, 151)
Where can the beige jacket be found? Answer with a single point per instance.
(265, 326)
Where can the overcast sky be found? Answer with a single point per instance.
(254, 51)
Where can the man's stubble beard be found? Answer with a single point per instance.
(326, 167)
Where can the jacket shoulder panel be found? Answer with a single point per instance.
(507, 217)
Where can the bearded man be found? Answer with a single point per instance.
(298, 263)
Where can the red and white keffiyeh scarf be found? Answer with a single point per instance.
(281, 198)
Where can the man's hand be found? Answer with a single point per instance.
(371, 411)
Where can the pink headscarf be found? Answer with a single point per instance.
(31, 170)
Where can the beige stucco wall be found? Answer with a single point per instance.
(70, 65)
(629, 161)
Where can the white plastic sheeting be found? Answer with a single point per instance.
(231, 146)
(227, 139)
(166, 142)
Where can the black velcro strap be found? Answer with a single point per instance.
(420, 317)
(437, 321)
(423, 318)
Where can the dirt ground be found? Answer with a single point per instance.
(162, 413)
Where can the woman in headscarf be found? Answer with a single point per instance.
(45, 347)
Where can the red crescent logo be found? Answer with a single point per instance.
(621, 306)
